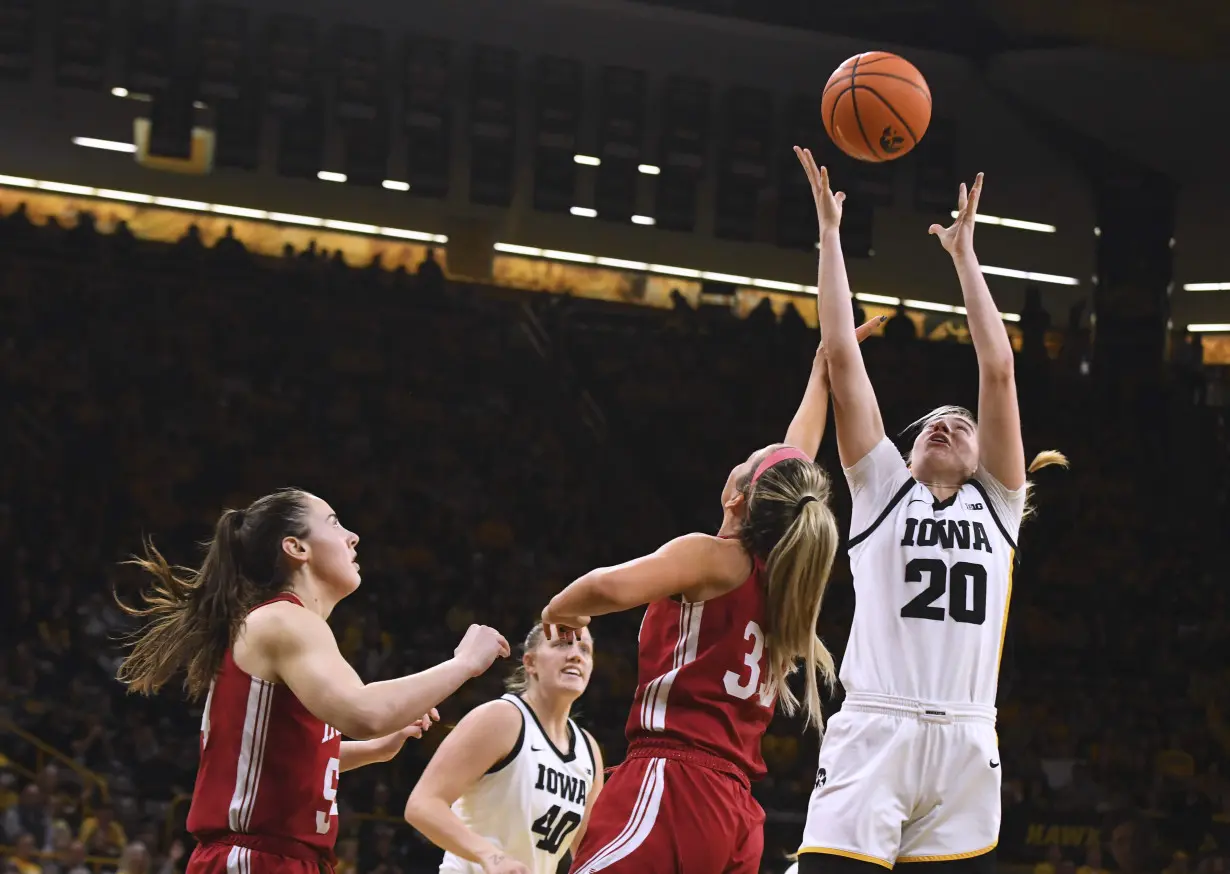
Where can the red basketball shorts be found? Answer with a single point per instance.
(665, 812)
(224, 859)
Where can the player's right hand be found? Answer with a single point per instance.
(500, 863)
(481, 646)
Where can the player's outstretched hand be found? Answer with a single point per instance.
(828, 204)
(481, 646)
(501, 863)
(566, 627)
(420, 726)
(958, 238)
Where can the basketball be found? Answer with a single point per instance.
(876, 106)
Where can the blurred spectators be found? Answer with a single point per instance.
(152, 385)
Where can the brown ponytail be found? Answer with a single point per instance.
(791, 527)
(193, 616)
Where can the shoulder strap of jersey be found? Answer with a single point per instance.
(986, 499)
(901, 493)
(582, 737)
(516, 748)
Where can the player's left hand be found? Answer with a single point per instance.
(958, 238)
(393, 743)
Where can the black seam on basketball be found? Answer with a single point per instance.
(890, 108)
(919, 88)
(887, 56)
(833, 114)
(858, 119)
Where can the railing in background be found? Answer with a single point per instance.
(45, 751)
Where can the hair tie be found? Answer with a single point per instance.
(803, 502)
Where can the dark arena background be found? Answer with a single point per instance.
(514, 283)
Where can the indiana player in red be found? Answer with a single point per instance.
(729, 618)
(249, 629)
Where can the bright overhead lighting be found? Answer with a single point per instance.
(1050, 278)
(574, 257)
(774, 285)
(649, 169)
(928, 305)
(1210, 328)
(622, 264)
(725, 277)
(878, 298)
(130, 196)
(514, 249)
(732, 279)
(587, 160)
(177, 203)
(1207, 286)
(65, 188)
(119, 92)
(351, 227)
(395, 185)
(1018, 224)
(240, 211)
(220, 209)
(330, 176)
(644, 220)
(106, 145)
(584, 212)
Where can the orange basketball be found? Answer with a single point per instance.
(876, 106)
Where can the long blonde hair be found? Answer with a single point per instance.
(792, 530)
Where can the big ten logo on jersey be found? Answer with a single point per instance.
(965, 582)
(554, 826)
(743, 687)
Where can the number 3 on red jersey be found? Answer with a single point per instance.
(742, 689)
(324, 818)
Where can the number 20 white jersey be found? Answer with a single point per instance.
(932, 582)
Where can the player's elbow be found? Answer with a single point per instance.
(364, 720)
(414, 808)
(997, 370)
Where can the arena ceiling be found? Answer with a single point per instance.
(1195, 30)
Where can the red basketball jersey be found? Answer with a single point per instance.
(701, 674)
(268, 766)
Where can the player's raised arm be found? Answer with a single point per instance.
(300, 650)
(686, 566)
(1001, 449)
(807, 427)
(859, 426)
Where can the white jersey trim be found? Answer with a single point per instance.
(639, 824)
(657, 692)
(251, 754)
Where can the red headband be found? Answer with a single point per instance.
(779, 455)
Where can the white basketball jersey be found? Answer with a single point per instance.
(531, 803)
(932, 583)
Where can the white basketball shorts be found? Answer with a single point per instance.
(902, 781)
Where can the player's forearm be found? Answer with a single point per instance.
(589, 595)
(437, 822)
(807, 427)
(986, 326)
(391, 705)
(359, 753)
(834, 305)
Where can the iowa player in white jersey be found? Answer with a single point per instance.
(909, 769)
(510, 789)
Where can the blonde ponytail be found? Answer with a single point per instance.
(1045, 458)
(791, 526)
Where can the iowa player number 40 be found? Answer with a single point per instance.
(736, 685)
(965, 582)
